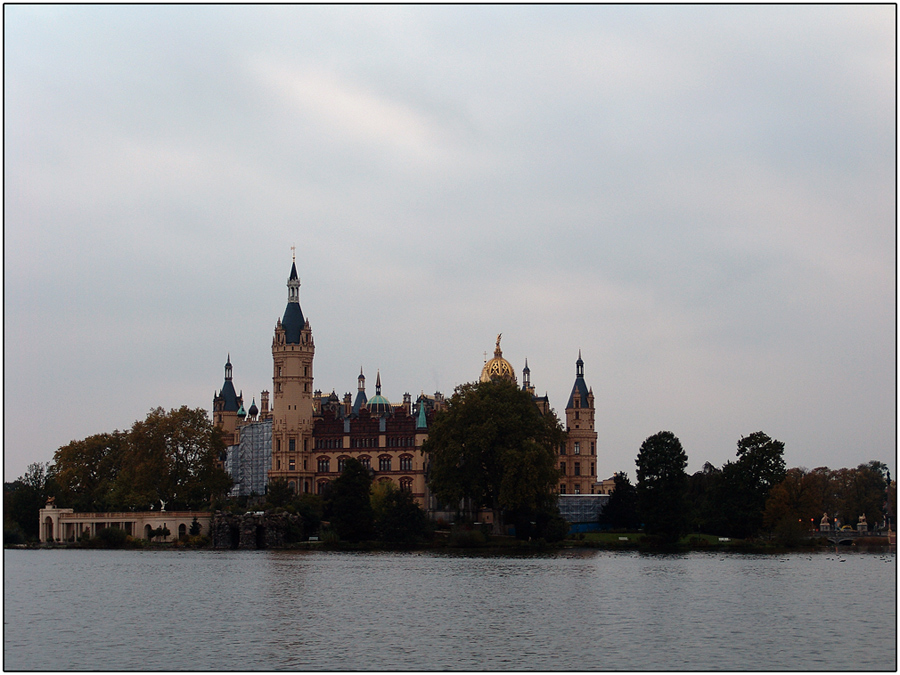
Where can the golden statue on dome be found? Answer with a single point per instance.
(498, 368)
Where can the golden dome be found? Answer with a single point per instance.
(498, 368)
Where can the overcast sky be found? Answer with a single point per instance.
(699, 198)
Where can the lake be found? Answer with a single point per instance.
(567, 610)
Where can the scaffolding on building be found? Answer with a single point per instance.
(248, 462)
(582, 512)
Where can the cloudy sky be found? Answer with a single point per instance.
(700, 199)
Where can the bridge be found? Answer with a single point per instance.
(847, 536)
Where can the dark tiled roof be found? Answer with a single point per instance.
(360, 401)
(579, 388)
(230, 396)
(293, 321)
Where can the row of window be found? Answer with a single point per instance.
(576, 489)
(392, 442)
(576, 448)
(292, 445)
(576, 468)
(385, 463)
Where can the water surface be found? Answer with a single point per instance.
(572, 610)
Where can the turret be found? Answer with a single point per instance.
(579, 461)
(293, 350)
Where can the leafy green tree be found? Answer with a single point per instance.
(621, 511)
(195, 529)
(542, 521)
(23, 500)
(347, 504)
(309, 508)
(491, 447)
(662, 486)
(704, 507)
(398, 518)
(747, 481)
(278, 493)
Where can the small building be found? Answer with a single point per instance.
(64, 525)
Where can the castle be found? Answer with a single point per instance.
(306, 437)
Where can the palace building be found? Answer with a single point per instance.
(306, 437)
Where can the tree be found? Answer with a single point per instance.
(23, 500)
(704, 493)
(491, 447)
(793, 500)
(278, 492)
(398, 518)
(621, 511)
(662, 485)
(172, 456)
(747, 481)
(86, 471)
(347, 504)
(864, 493)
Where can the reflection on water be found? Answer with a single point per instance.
(573, 610)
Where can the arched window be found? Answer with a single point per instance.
(384, 463)
(320, 487)
(406, 463)
(342, 462)
(406, 484)
(365, 461)
(324, 465)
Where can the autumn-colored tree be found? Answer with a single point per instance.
(86, 471)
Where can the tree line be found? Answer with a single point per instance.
(169, 458)
(490, 448)
(746, 497)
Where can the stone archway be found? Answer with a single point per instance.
(148, 531)
(48, 528)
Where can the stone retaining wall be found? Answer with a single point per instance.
(251, 531)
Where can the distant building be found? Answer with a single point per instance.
(577, 462)
(306, 437)
(64, 525)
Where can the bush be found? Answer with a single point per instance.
(789, 532)
(112, 537)
(462, 538)
(13, 535)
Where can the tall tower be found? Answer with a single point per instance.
(226, 405)
(579, 460)
(292, 397)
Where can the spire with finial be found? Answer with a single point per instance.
(526, 378)
(293, 322)
(378, 384)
